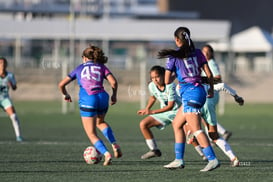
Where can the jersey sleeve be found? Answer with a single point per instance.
(170, 64)
(12, 79)
(224, 87)
(73, 74)
(214, 68)
(151, 88)
(106, 71)
(202, 59)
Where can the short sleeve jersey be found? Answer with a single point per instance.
(4, 84)
(168, 94)
(213, 67)
(187, 70)
(90, 77)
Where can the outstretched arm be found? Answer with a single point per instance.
(227, 89)
(149, 105)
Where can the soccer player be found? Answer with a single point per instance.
(187, 62)
(209, 109)
(7, 80)
(160, 118)
(93, 99)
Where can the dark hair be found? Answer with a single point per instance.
(5, 61)
(211, 55)
(159, 69)
(95, 54)
(187, 48)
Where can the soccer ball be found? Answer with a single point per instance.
(91, 155)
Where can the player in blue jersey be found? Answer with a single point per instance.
(186, 63)
(93, 99)
(7, 80)
(162, 117)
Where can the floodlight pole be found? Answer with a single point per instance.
(142, 55)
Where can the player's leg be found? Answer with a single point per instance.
(10, 110)
(103, 126)
(108, 133)
(145, 127)
(89, 112)
(222, 131)
(190, 139)
(180, 140)
(196, 99)
(89, 125)
(223, 145)
(210, 118)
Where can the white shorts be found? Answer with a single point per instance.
(164, 118)
(5, 103)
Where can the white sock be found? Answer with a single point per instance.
(16, 124)
(199, 150)
(225, 147)
(221, 130)
(151, 143)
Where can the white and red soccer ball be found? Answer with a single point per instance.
(91, 155)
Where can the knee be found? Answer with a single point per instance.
(143, 124)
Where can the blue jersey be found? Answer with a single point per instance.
(188, 73)
(90, 77)
(93, 99)
(187, 70)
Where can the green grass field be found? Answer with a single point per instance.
(54, 144)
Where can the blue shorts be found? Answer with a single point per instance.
(93, 105)
(193, 97)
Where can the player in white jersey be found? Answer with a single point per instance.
(209, 109)
(219, 86)
(160, 118)
(7, 80)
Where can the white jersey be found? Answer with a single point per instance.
(5, 83)
(168, 94)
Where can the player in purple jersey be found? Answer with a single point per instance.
(93, 99)
(186, 63)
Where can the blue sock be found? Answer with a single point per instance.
(179, 149)
(100, 147)
(108, 133)
(209, 153)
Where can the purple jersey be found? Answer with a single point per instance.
(90, 77)
(187, 70)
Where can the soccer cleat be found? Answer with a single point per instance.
(117, 150)
(152, 153)
(212, 164)
(235, 162)
(227, 135)
(176, 164)
(107, 159)
(19, 139)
